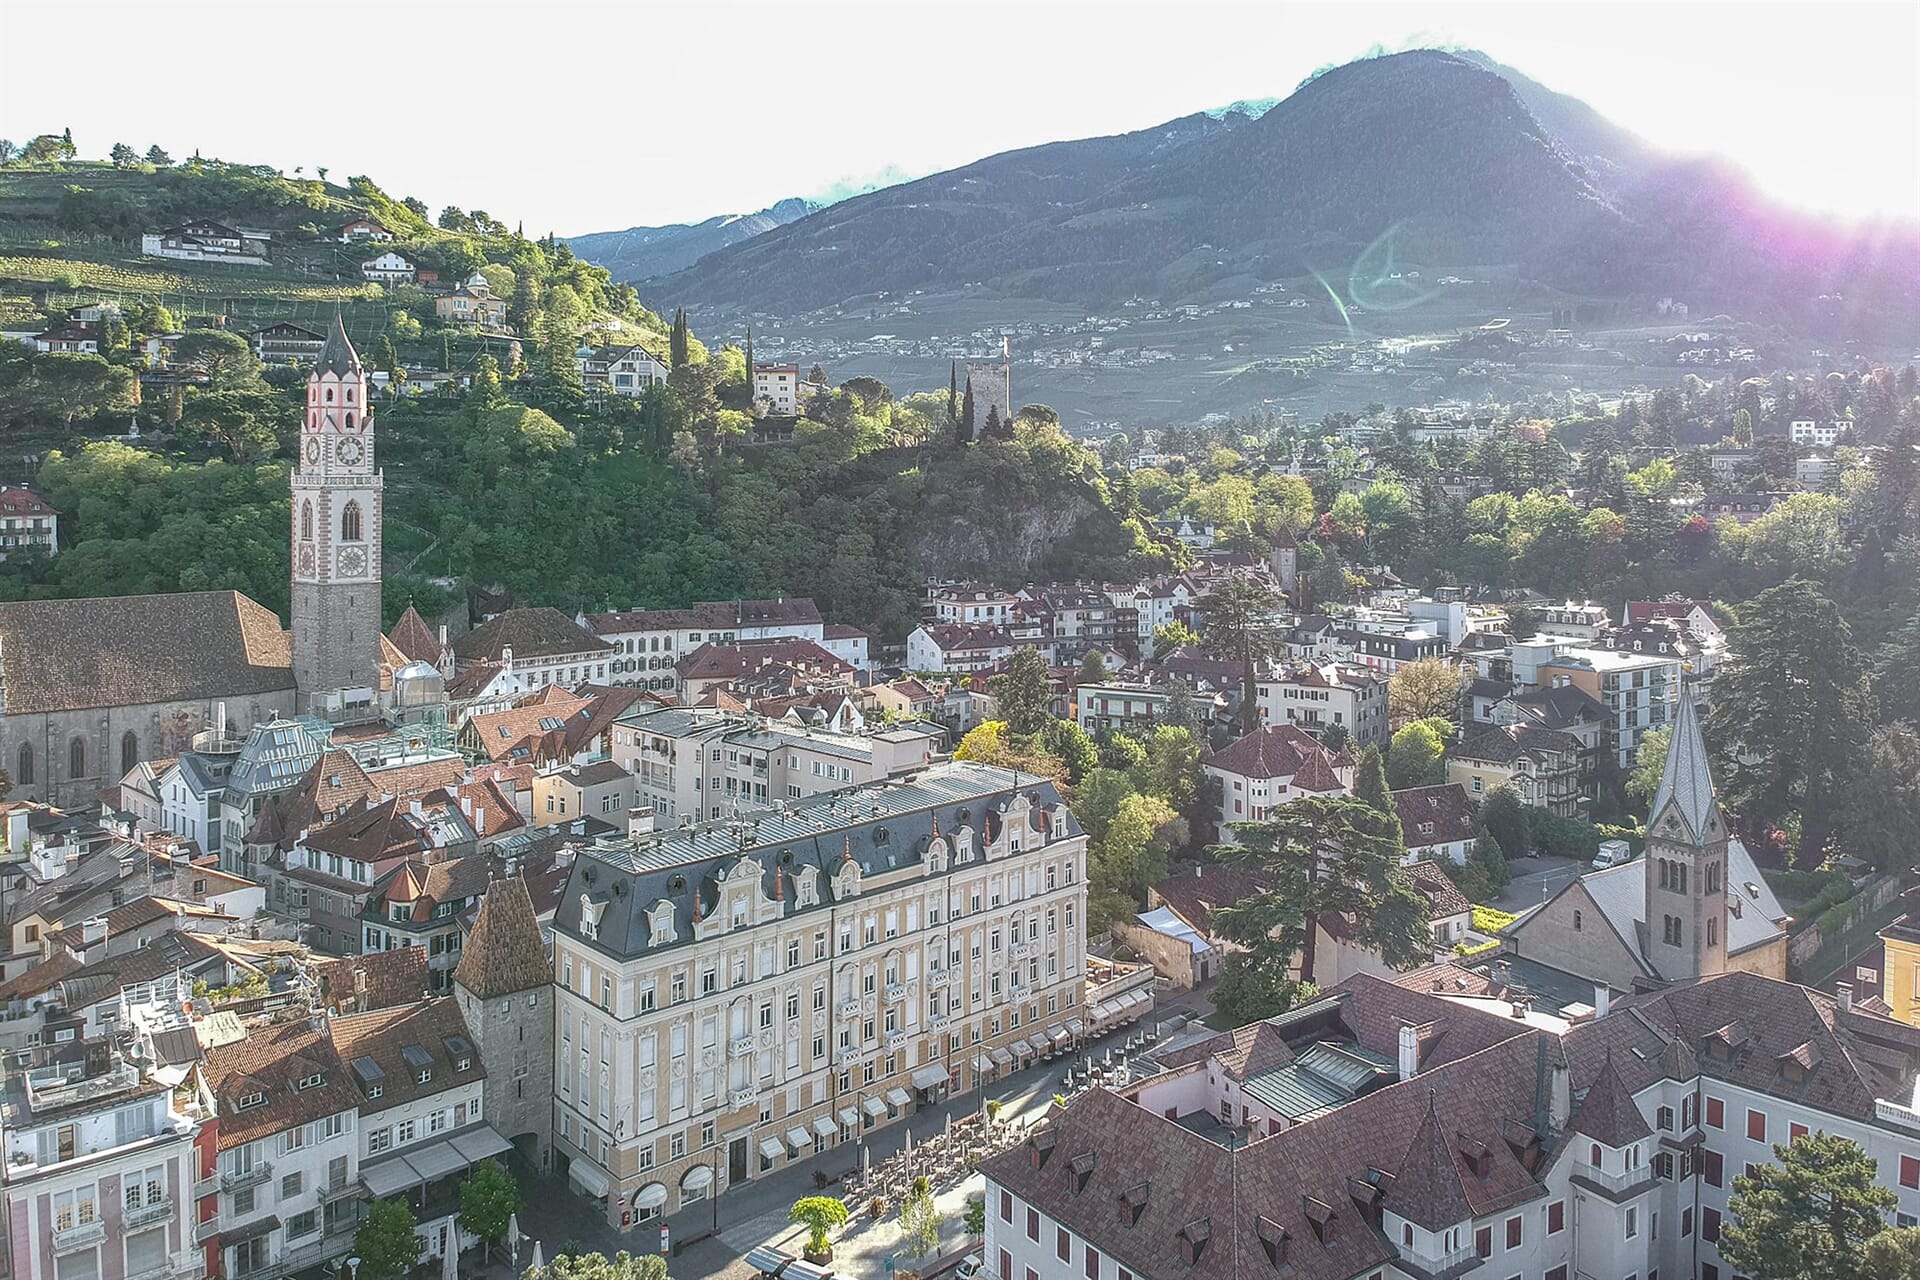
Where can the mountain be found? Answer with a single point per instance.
(640, 252)
(1453, 163)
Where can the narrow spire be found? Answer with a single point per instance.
(338, 355)
(1687, 780)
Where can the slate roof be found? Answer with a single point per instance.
(1686, 783)
(884, 826)
(414, 638)
(1193, 897)
(1560, 707)
(530, 633)
(1428, 1190)
(1505, 744)
(1436, 815)
(338, 356)
(504, 952)
(1620, 894)
(272, 1060)
(389, 1047)
(1607, 1112)
(115, 651)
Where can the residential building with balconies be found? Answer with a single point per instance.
(1543, 765)
(737, 996)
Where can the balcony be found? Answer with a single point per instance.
(896, 1039)
(159, 1211)
(204, 1187)
(938, 977)
(82, 1235)
(739, 1046)
(1616, 1184)
(345, 1191)
(743, 1097)
(849, 1008)
(896, 990)
(235, 1180)
(205, 1231)
(1025, 950)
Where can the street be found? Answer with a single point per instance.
(1534, 881)
(755, 1212)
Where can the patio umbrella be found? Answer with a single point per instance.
(513, 1237)
(535, 1264)
(450, 1256)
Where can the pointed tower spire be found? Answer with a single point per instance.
(1426, 1188)
(1687, 781)
(338, 355)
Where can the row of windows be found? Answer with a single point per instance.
(351, 524)
(24, 761)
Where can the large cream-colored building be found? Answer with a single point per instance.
(739, 995)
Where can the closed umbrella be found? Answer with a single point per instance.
(536, 1263)
(450, 1256)
(513, 1237)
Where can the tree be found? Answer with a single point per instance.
(488, 1200)
(1024, 692)
(248, 425)
(1523, 622)
(1649, 763)
(1370, 781)
(386, 1244)
(1183, 710)
(678, 341)
(966, 412)
(1429, 688)
(1490, 862)
(819, 1215)
(72, 385)
(976, 1218)
(919, 1220)
(597, 1266)
(1239, 622)
(1504, 815)
(989, 743)
(953, 394)
(1093, 670)
(1792, 710)
(157, 157)
(1893, 1254)
(1809, 1215)
(1417, 755)
(1885, 809)
(1176, 634)
(1321, 856)
(7, 150)
(1133, 856)
(123, 156)
(226, 358)
(1248, 992)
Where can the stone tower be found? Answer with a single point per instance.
(1686, 860)
(1285, 561)
(504, 986)
(336, 530)
(992, 381)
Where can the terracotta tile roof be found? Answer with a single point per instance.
(504, 953)
(1271, 751)
(1436, 815)
(1607, 1113)
(1316, 774)
(1193, 897)
(414, 638)
(530, 633)
(374, 832)
(471, 681)
(271, 1062)
(426, 885)
(109, 651)
(521, 730)
(394, 977)
(950, 637)
(1428, 1190)
(1443, 896)
(390, 1047)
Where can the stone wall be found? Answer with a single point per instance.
(515, 1037)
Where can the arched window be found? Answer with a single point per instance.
(129, 750)
(349, 414)
(329, 395)
(23, 772)
(349, 401)
(1576, 922)
(1593, 1154)
(77, 758)
(350, 523)
(306, 521)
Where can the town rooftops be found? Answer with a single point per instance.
(1271, 751)
(1504, 744)
(373, 980)
(388, 1050)
(504, 953)
(529, 633)
(276, 1077)
(1436, 815)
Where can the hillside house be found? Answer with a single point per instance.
(286, 343)
(363, 229)
(471, 302)
(388, 268)
(204, 240)
(626, 371)
(776, 388)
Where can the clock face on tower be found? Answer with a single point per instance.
(351, 451)
(306, 557)
(353, 562)
(313, 451)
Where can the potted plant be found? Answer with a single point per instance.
(877, 1207)
(819, 1215)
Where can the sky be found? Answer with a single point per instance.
(575, 117)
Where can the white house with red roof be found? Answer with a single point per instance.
(28, 522)
(1269, 767)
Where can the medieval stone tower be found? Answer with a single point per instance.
(504, 986)
(1285, 562)
(1686, 860)
(992, 383)
(336, 530)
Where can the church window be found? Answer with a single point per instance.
(349, 413)
(24, 772)
(350, 523)
(1576, 922)
(129, 750)
(306, 521)
(77, 758)
(329, 395)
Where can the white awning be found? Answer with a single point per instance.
(875, 1107)
(849, 1117)
(1001, 1055)
(651, 1196)
(898, 1097)
(983, 1063)
(1021, 1049)
(929, 1076)
(437, 1160)
(586, 1177)
(1105, 1010)
(698, 1178)
(478, 1144)
(1075, 1026)
(799, 1137)
(771, 1148)
(388, 1177)
(824, 1126)
(1057, 1034)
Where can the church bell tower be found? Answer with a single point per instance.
(1686, 860)
(336, 531)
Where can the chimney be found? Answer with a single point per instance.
(1602, 999)
(1409, 1050)
(93, 930)
(639, 821)
(1560, 1100)
(1845, 991)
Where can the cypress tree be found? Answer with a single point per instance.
(953, 394)
(677, 342)
(966, 414)
(993, 427)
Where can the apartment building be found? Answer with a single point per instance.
(1317, 696)
(1271, 766)
(1638, 690)
(1119, 706)
(649, 643)
(1441, 1125)
(100, 1171)
(734, 997)
(27, 521)
(1542, 765)
(702, 764)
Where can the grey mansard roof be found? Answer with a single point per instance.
(883, 826)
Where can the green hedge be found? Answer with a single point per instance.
(1491, 920)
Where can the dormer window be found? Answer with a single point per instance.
(1273, 1240)
(465, 1064)
(313, 1081)
(1193, 1239)
(374, 1091)
(249, 1100)
(424, 1076)
(1082, 1167)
